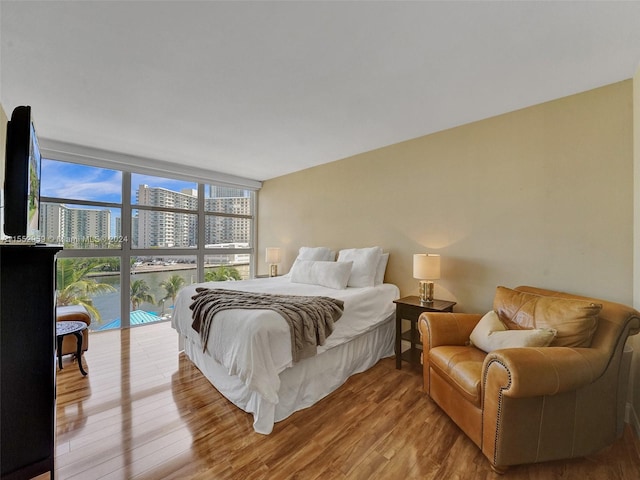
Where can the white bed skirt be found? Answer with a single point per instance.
(306, 382)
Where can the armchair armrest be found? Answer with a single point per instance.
(438, 328)
(530, 372)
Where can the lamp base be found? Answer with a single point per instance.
(426, 292)
(273, 270)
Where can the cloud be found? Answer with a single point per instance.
(79, 182)
(82, 182)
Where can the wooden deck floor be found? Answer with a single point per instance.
(145, 412)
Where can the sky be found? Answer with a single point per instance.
(81, 182)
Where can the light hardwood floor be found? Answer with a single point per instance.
(145, 412)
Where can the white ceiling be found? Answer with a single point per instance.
(261, 89)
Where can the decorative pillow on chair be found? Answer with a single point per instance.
(491, 334)
(574, 320)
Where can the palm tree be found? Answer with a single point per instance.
(222, 273)
(140, 293)
(74, 286)
(171, 286)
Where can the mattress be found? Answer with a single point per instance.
(248, 354)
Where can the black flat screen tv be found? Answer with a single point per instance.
(22, 178)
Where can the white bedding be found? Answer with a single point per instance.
(254, 347)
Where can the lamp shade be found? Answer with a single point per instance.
(426, 266)
(272, 255)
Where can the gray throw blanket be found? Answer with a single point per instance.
(310, 319)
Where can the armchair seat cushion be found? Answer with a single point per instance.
(461, 366)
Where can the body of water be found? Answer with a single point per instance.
(109, 304)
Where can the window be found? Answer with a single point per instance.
(166, 216)
(228, 219)
(228, 232)
(93, 282)
(155, 282)
(133, 240)
(81, 205)
(218, 268)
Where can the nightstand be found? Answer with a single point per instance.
(410, 308)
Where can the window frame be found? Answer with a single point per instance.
(128, 165)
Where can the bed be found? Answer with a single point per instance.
(248, 355)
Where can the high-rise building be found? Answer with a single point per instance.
(223, 229)
(118, 227)
(154, 228)
(165, 228)
(216, 191)
(52, 222)
(62, 224)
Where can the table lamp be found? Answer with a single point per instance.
(272, 257)
(426, 267)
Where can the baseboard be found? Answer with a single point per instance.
(631, 417)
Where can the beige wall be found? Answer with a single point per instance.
(635, 341)
(540, 196)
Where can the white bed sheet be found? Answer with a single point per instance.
(253, 346)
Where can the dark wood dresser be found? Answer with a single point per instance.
(27, 360)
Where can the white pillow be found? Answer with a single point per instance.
(323, 273)
(365, 265)
(382, 267)
(491, 334)
(313, 253)
(316, 253)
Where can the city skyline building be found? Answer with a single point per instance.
(166, 228)
(62, 224)
(169, 223)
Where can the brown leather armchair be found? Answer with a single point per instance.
(78, 313)
(533, 404)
